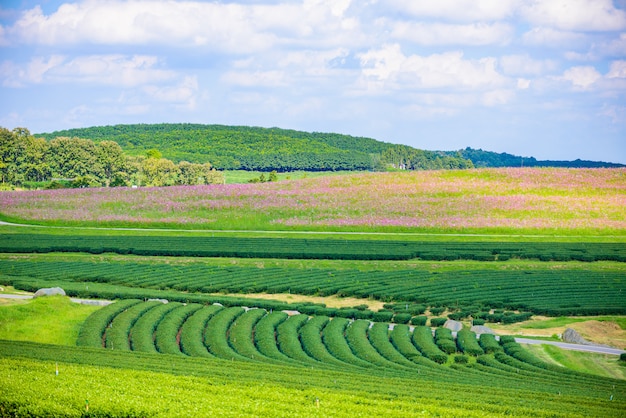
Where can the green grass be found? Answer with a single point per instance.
(596, 364)
(566, 320)
(243, 176)
(51, 319)
(506, 202)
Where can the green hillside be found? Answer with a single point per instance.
(255, 148)
(483, 159)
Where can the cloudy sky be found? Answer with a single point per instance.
(543, 78)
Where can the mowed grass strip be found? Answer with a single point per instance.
(50, 319)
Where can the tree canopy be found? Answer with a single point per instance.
(79, 162)
(255, 148)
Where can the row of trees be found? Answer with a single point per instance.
(265, 149)
(403, 157)
(77, 162)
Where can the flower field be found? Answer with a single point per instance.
(512, 199)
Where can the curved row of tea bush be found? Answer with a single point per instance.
(242, 334)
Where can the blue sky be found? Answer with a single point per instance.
(543, 78)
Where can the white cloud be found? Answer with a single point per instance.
(497, 97)
(617, 70)
(582, 77)
(115, 70)
(14, 75)
(388, 67)
(574, 15)
(455, 34)
(183, 93)
(269, 78)
(231, 28)
(458, 10)
(549, 37)
(520, 65)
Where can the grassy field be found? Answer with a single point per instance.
(52, 320)
(509, 201)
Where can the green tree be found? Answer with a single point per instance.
(273, 176)
(154, 153)
(74, 157)
(159, 172)
(112, 160)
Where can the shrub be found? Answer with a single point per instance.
(489, 344)
(382, 316)
(506, 339)
(478, 321)
(437, 310)
(461, 359)
(402, 318)
(419, 320)
(437, 322)
(622, 357)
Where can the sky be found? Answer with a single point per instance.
(542, 78)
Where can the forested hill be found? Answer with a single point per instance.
(264, 149)
(482, 158)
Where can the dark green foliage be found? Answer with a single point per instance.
(312, 343)
(241, 334)
(403, 157)
(165, 336)
(478, 321)
(622, 357)
(265, 336)
(489, 343)
(261, 149)
(81, 162)
(461, 359)
(445, 340)
(467, 342)
(401, 318)
(436, 311)
(505, 339)
(437, 322)
(335, 341)
(423, 340)
(482, 158)
(540, 291)
(419, 320)
(382, 316)
(288, 339)
(379, 337)
(92, 331)
(216, 331)
(142, 333)
(117, 335)
(307, 249)
(192, 330)
(356, 337)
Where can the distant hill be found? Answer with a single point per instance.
(482, 158)
(255, 148)
(266, 149)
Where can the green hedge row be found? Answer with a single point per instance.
(311, 248)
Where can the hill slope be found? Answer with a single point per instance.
(484, 159)
(253, 148)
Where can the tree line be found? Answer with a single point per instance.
(265, 149)
(28, 161)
